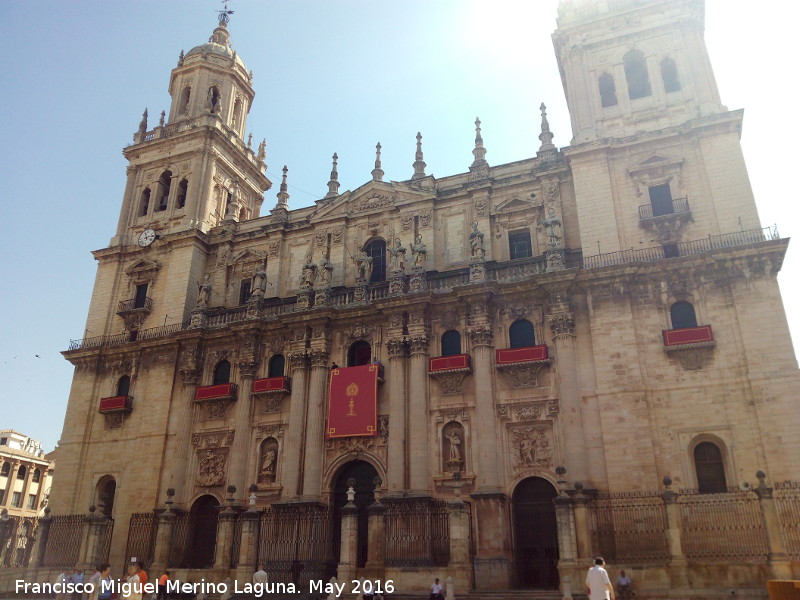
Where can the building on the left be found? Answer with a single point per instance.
(25, 476)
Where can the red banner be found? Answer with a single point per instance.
(353, 401)
(271, 384)
(212, 392)
(448, 363)
(689, 335)
(507, 356)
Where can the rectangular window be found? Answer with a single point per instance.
(661, 200)
(519, 244)
(244, 290)
(3, 441)
(141, 296)
(31, 501)
(16, 499)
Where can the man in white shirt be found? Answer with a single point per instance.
(598, 585)
(436, 590)
(624, 585)
(260, 576)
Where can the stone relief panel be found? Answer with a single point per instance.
(531, 445)
(212, 455)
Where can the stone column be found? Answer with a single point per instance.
(485, 441)
(181, 420)
(677, 559)
(459, 542)
(567, 544)
(315, 424)
(226, 524)
(376, 544)
(127, 201)
(164, 529)
(248, 548)
(583, 535)
(291, 469)
(349, 544)
(240, 448)
(780, 566)
(11, 483)
(94, 530)
(396, 451)
(570, 418)
(418, 460)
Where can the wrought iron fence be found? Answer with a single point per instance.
(630, 528)
(679, 206)
(787, 500)
(18, 541)
(104, 547)
(417, 533)
(723, 527)
(295, 543)
(142, 537)
(179, 542)
(64, 541)
(236, 542)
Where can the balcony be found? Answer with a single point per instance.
(134, 312)
(680, 208)
(116, 404)
(272, 385)
(688, 337)
(450, 371)
(522, 365)
(221, 391)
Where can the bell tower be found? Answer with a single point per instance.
(193, 170)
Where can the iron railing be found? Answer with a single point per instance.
(787, 500)
(142, 537)
(679, 206)
(295, 543)
(64, 541)
(179, 542)
(18, 541)
(629, 528)
(712, 242)
(417, 533)
(129, 305)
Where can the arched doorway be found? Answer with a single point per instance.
(535, 534)
(202, 533)
(105, 492)
(364, 475)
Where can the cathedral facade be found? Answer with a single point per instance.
(485, 376)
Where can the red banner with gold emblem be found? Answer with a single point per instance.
(353, 401)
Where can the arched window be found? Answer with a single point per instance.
(37, 475)
(376, 249)
(360, 353)
(521, 334)
(682, 315)
(21, 472)
(5, 470)
(183, 105)
(105, 492)
(669, 75)
(709, 468)
(451, 343)
(236, 119)
(277, 366)
(636, 74)
(123, 385)
(212, 104)
(608, 90)
(222, 372)
(164, 184)
(180, 201)
(144, 202)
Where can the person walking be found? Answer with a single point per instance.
(598, 585)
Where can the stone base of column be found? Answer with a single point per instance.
(417, 282)
(305, 298)
(477, 269)
(678, 573)
(322, 297)
(781, 568)
(397, 283)
(199, 319)
(361, 293)
(492, 573)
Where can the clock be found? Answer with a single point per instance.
(147, 237)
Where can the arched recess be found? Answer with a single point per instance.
(105, 492)
(222, 373)
(360, 353)
(535, 547)
(708, 458)
(376, 249)
(636, 74)
(180, 200)
(268, 461)
(202, 533)
(183, 104)
(124, 385)
(364, 477)
(451, 343)
(277, 366)
(520, 334)
(682, 315)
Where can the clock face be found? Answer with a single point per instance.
(147, 237)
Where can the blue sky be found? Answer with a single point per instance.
(329, 77)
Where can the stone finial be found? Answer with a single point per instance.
(479, 152)
(180, 58)
(283, 194)
(143, 122)
(262, 150)
(377, 172)
(250, 140)
(161, 119)
(546, 136)
(333, 184)
(419, 164)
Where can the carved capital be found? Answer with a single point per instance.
(419, 344)
(481, 336)
(395, 348)
(299, 360)
(190, 376)
(562, 324)
(318, 358)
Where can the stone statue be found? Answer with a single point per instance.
(552, 225)
(143, 122)
(476, 241)
(419, 251)
(325, 272)
(268, 464)
(161, 120)
(260, 279)
(364, 265)
(455, 442)
(398, 254)
(204, 294)
(309, 273)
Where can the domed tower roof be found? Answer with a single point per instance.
(219, 43)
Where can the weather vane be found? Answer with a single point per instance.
(225, 14)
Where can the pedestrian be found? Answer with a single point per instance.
(260, 576)
(133, 591)
(624, 585)
(142, 574)
(162, 585)
(436, 590)
(77, 582)
(61, 584)
(598, 585)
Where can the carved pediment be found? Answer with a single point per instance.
(142, 266)
(247, 256)
(655, 161)
(514, 204)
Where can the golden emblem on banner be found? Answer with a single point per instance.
(352, 391)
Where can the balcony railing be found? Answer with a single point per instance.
(133, 304)
(712, 242)
(680, 206)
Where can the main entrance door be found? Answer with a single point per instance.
(202, 533)
(535, 534)
(364, 475)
